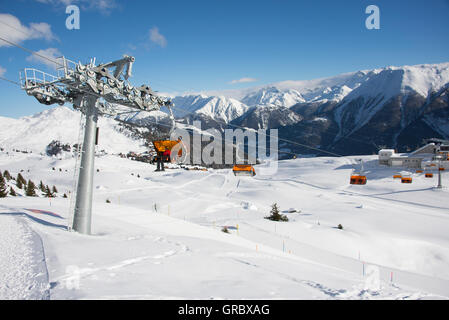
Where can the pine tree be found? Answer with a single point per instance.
(275, 215)
(48, 193)
(3, 191)
(20, 181)
(55, 190)
(41, 186)
(7, 175)
(30, 189)
(12, 192)
(64, 196)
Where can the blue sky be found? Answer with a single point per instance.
(211, 45)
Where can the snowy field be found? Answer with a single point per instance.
(160, 237)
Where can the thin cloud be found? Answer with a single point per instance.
(103, 6)
(50, 53)
(243, 80)
(12, 29)
(157, 38)
(2, 71)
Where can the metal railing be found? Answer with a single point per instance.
(32, 78)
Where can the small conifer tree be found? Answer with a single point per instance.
(42, 186)
(275, 215)
(48, 193)
(12, 192)
(7, 175)
(30, 189)
(20, 180)
(54, 190)
(3, 190)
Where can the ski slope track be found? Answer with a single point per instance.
(160, 237)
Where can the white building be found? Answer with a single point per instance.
(389, 158)
(385, 155)
(427, 153)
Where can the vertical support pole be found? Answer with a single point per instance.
(439, 175)
(83, 204)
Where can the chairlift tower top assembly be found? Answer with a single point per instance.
(94, 90)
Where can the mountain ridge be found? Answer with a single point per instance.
(394, 107)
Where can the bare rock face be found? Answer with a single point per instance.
(268, 118)
(56, 147)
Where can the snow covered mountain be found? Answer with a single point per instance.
(267, 117)
(272, 96)
(216, 107)
(34, 133)
(394, 107)
(384, 85)
(351, 113)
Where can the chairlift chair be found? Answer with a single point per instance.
(358, 178)
(406, 179)
(162, 146)
(243, 170)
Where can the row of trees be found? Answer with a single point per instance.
(28, 186)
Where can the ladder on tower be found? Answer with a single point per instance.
(76, 171)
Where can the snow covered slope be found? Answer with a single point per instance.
(23, 272)
(34, 133)
(160, 237)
